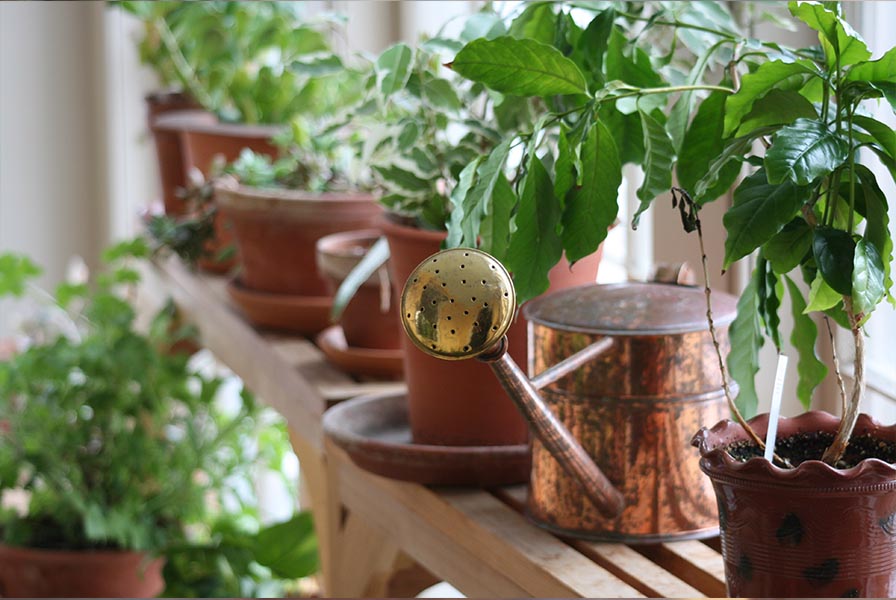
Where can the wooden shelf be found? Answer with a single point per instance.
(381, 537)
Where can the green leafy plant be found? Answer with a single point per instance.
(811, 203)
(616, 83)
(121, 445)
(248, 62)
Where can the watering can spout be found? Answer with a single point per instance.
(459, 304)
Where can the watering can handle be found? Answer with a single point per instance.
(553, 434)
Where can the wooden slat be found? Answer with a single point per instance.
(693, 562)
(624, 562)
(472, 539)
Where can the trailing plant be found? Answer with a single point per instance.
(248, 62)
(121, 445)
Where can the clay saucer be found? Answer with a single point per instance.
(375, 432)
(374, 362)
(306, 315)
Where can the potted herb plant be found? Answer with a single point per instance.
(119, 448)
(817, 520)
(278, 210)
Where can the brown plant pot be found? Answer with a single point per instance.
(169, 146)
(276, 232)
(369, 320)
(462, 403)
(34, 573)
(203, 139)
(812, 531)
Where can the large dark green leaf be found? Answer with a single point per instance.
(595, 40)
(535, 246)
(629, 63)
(735, 150)
(536, 22)
(627, 132)
(882, 133)
(746, 338)
(760, 211)
(837, 37)
(591, 208)
(755, 85)
(769, 291)
(658, 158)
(777, 107)
(459, 194)
(288, 549)
(788, 247)
(877, 221)
(702, 144)
(880, 73)
(811, 371)
(564, 169)
(867, 278)
(834, 251)
(522, 67)
(393, 67)
(495, 229)
(804, 151)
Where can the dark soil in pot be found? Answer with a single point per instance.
(461, 403)
(35, 573)
(812, 530)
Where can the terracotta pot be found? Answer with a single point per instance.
(370, 320)
(812, 531)
(203, 139)
(169, 146)
(34, 573)
(462, 403)
(276, 232)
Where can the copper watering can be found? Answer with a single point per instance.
(596, 350)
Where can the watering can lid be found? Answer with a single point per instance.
(630, 309)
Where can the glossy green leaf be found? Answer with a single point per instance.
(440, 93)
(735, 150)
(393, 68)
(777, 107)
(810, 369)
(402, 178)
(627, 132)
(375, 257)
(628, 63)
(880, 73)
(769, 290)
(746, 338)
(841, 38)
(753, 86)
(882, 133)
(522, 67)
(759, 212)
(465, 181)
(804, 151)
(591, 208)
(564, 169)
(288, 549)
(658, 158)
(536, 22)
(834, 251)
(495, 228)
(702, 144)
(535, 246)
(595, 40)
(821, 296)
(877, 227)
(787, 248)
(479, 198)
(483, 24)
(867, 278)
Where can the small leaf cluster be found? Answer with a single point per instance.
(121, 444)
(424, 125)
(248, 62)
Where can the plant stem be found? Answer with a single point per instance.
(835, 451)
(842, 388)
(678, 24)
(667, 90)
(715, 342)
(852, 174)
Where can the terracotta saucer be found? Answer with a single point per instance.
(374, 362)
(375, 432)
(306, 315)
